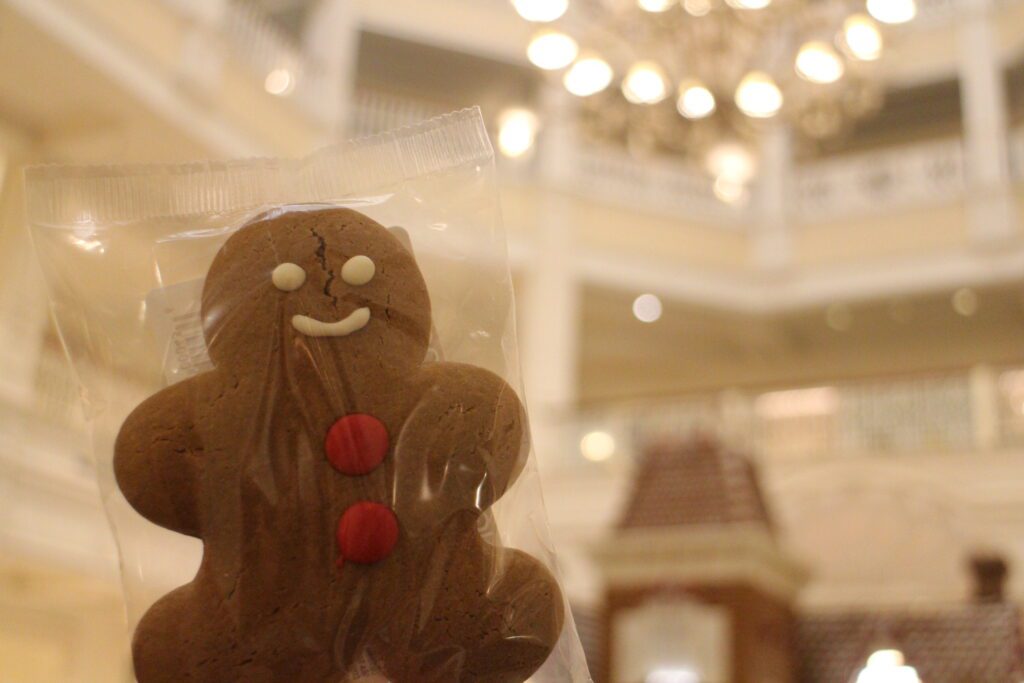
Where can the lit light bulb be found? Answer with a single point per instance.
(893, 11)
(748, 4)
(645, 84)
(886, 658)
(541, 10)
(697, 8)
(757, 96)
(517, 131)
(818, 62)
(732, 161)
(887, 666)
(655, 5)
(588, 76)
(597, 446)
(551, 50)
(672, 675)
(647, 308)
(862, 38)
(695, 100)
(279, 82)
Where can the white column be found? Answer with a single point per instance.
(984, 393)
(991, 213)
(773, 240)
(550, 295)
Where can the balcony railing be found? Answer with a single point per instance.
(674, 187)
(956, 413)
(887, 180)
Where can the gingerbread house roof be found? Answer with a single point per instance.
(698, 482)
(976, 643)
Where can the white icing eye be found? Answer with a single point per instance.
(358, 270)
(288, 277)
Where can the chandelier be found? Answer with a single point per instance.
(690, 72)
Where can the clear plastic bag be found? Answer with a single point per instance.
(309, 365)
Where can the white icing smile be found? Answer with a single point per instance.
(353, 322)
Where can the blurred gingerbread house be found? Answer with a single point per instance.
(698, 590)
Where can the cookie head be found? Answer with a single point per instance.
(313, 282)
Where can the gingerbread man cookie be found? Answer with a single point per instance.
(337, 480)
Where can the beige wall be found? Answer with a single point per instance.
(883, 237)
(60, 628)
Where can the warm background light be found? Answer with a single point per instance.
(597, 446)
(697, 8)
(731, 160)
(517, 131)
(551, 50)
(672, 675)
(758, 95)
(749, 4)
(732, 166)
(818, 62)
(588, 76)
(887, 666)
(647, 308)
(279, 82)
(645, 84)
(886, 658)
(695, 100)
(656, 5)
(893, 11)
(862, 38)
(541, 10)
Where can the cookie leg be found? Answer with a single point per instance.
(184, 638)
(190, 636)
(493, 617)
(520, 617)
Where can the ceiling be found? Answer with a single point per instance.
(70, 111)
(914, 113)
(448, 79)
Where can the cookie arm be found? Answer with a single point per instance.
(464, 442)
(158, 458)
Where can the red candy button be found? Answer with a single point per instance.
(367, 533)
(356, 444)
